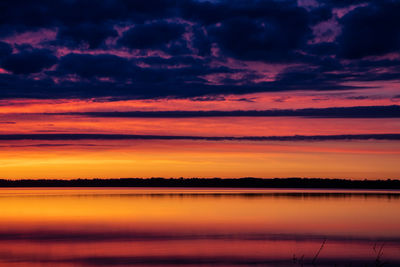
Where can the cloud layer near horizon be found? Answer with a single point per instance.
(59, 137)
(336, 112)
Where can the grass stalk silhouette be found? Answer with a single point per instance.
(318, 252)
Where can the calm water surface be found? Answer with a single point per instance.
(190, 227)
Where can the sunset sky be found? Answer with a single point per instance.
(193, 88)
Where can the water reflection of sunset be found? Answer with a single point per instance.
(74, 225)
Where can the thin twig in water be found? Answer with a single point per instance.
(319, 251)
(379, 254)
(298, 261)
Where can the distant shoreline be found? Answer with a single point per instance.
(208, 182)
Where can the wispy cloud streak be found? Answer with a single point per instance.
(14, 137)
(335, 112)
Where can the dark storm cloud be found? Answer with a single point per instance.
(323, 49)
(154, 35)
(126, 38)
(256, 30)
(371, 30)
(21, 15)
(172, 61)
(201, 42)
(270, 40)
(320, 14)
(5, 49)
(212, 12)
(86, 33)
(106, 65)
(90, 66)
(27, 62)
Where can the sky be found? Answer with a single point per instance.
(190, 88)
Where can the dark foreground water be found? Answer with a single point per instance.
(225, 227)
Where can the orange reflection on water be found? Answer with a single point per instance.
(151, 226)
(209, 209)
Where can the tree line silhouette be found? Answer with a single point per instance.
(207, 182)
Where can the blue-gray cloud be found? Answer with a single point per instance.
(116, 45)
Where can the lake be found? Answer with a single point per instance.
(191, 227)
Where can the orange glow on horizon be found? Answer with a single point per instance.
(184, 158)
(138, 158)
